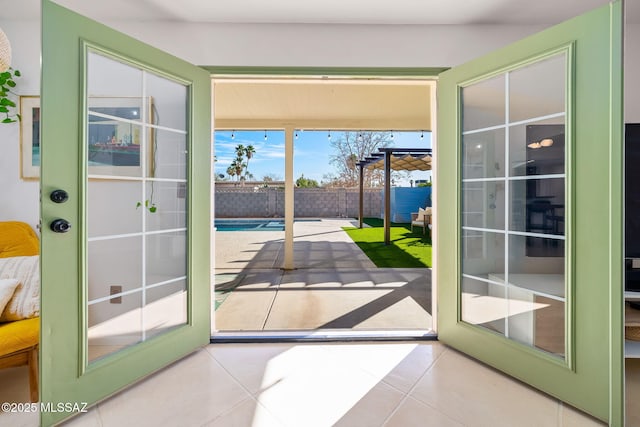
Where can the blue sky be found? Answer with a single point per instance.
(312, 151)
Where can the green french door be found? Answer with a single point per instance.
(125, 181)
(529, 269)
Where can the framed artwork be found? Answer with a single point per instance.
(30, 137)
(115, 135)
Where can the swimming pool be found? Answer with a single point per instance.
(249, 224)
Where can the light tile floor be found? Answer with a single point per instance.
(399, 384)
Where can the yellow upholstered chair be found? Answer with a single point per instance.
(19, 339)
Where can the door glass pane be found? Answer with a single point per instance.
(483, 205)
(484, 304)
(513, 249)
(136, 203)
(537, 205)
(114, 324)
(483, 154)
(537, 148)
(483, 104)
(537, 90)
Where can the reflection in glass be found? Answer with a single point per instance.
(170, 202)
(482, 253)
(538, 89)
(483, 204)
(536, 320)
(137, 204)
(112, 207)
(483, 104)
(168, 155)
(114, 262)
(483, 154)
(114, 324)
(537, 149)
(166, 257)
(484, 304)
(102, 72)
(522, 296)
(537, 205)
(165, 308)
(169, 102)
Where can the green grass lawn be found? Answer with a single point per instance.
(406, 249)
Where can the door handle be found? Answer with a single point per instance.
(59, 196)
(60, 225)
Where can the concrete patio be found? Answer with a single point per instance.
(334, 285)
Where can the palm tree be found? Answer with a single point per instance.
(238, 166)
(231, 171)
(249, 151)
(240, 150)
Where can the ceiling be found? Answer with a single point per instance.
(323, 104)
(516, 12)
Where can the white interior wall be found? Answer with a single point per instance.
(276, 45)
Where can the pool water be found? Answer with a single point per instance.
(248, 225)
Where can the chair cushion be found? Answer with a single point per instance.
(16, 336)
(18, 239)
(421, 214)
(25, 302)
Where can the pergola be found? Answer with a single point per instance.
(410, 159)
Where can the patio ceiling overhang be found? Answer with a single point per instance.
(412, 160)
(323, 103)
(388, 159)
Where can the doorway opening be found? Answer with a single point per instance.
(290, 261)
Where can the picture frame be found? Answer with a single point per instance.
(30, 137)
(115, 143)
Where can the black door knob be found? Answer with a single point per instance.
(60, 225)
(59, 196)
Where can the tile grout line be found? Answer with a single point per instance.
(251, 395)
(413, 387)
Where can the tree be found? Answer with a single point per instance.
(231, 171)
(350, 147)
(303, 182)
(249, 151)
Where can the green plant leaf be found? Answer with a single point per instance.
(146, 203)
(8, 120)
(138, 205)
(4, 101)
(19, 116)
(152, 209)
(4, 110)
(11, 83)
(5, 75)
(17, 73)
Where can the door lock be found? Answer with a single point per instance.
(59, 196)
(60, 225)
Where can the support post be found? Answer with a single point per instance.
(387, 197)
(288, 199)
(361, 200)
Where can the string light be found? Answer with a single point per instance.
(233, 134)
(329, 134)
(296, 134)
(265, 135)
(391, 134)
(422, 134)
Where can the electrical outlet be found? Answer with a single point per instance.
(113, 291)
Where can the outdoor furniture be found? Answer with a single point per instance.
(422, 218)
